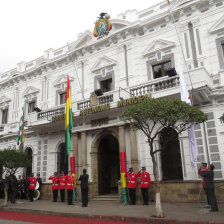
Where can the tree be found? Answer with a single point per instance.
(11, 161)
(152, 114)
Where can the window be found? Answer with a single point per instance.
(159, 70)
(62, 98)
(5, 116)
(31, 106)
(106, 85)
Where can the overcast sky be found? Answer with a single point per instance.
(29, 27)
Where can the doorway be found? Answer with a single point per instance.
(108, 165)
(29, 154)
(62, 159)
(170, 155)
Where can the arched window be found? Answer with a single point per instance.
(170, 156)
(28, 169)
(62, 159)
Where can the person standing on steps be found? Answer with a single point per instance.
(69, 186)
(62, 186)
(132, 184)
(55, 186)
(145, 182)
(84, 188)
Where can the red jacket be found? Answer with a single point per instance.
(55, 182)
(132, 179)
(202, 180)
(32, 182)
(70, 182)
(144, 179)
(62, 180)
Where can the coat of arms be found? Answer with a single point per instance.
(102, 26)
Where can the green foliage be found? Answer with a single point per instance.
(12, 160)
(222, 118)
(152, 114)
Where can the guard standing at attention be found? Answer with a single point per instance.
(132, 184)
(84, 187)
(55, 186)
(145, 182)
(32, 181)
(69, 187)
(62, 186)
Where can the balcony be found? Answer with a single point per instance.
(160, 87)
(101, 100)
(155, 86)
(51, 113)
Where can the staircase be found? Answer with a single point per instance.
(106, 197)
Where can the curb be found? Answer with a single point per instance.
(110, 217)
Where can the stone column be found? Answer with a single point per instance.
(134, 151)
(75, 152)
(84, 150)
(122, 145)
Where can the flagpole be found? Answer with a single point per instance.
(182, 51)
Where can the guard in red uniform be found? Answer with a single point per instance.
(32, 181)
(132, 184)
(145, 182)
(204, 167)
(55, 186)
(69, 187)
(62, 186)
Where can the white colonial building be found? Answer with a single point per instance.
(136, 58)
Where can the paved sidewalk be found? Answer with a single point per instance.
(174, 212)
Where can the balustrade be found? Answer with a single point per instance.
(51, 113)
(156, 86)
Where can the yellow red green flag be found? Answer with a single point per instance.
(68, 118)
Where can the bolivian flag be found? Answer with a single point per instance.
(68, 118)
(124, 197)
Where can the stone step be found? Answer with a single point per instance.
(109, 197)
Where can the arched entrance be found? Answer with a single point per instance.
(108, 165)
(62, 159)
(29, 153)
(170, 156)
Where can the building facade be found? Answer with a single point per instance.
(136, 59)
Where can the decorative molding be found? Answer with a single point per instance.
(84, 39)
(62, 79)
(30, 90)
(4, 99)
(103, 62)
(158, 46)
(217, 26)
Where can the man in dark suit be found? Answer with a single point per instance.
(84, 188)
(209, 187)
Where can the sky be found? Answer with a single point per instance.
(29, 27)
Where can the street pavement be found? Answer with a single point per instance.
(113, 210)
